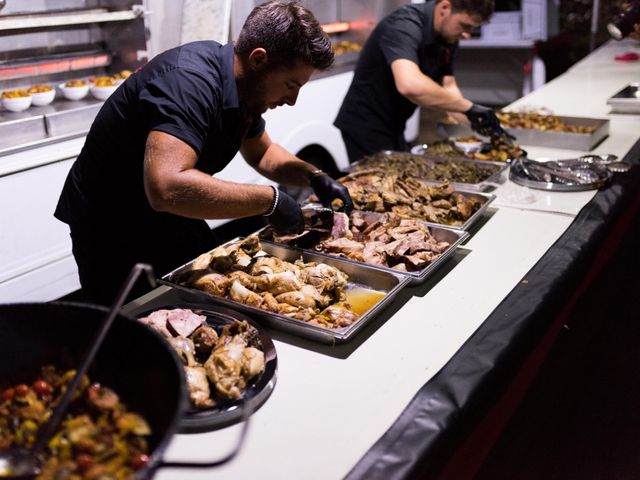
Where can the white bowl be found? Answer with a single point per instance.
(17, 104)
(41, 99)
(468, 147)
(74, 93)
(102, 93)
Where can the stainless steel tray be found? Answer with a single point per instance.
(519, 175)
(390, 283)
(496, 178)
(626, 100)
(540, 138)
(440, 233)
(483, 197)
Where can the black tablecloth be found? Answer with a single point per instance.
(447, 408)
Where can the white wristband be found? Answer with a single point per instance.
(274, 204)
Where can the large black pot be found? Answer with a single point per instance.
(134, 360)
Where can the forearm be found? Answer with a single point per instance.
(195, 194)
(418, 88)
(428, 93)
(281, 166)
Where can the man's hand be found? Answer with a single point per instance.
(286, 216)
(327, 190)
(484, 121)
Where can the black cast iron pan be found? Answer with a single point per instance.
(134, 361)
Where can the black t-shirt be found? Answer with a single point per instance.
(373, 112)
(188, 92)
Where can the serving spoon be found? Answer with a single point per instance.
(22, 463)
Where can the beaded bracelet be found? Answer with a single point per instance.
(274, 203)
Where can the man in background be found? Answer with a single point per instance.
(407, 63)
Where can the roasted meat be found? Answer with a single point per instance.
(299, 290)
(378, 191)
(229, 360)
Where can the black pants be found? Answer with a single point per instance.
(359, 147)
(105, 256)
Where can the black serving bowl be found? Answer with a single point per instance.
(134, 361)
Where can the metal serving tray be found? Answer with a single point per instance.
(440, 233)
(540, 138)
(485, 198)
(626, 100)
(492, 181)
(390, 283)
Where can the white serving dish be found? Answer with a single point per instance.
(40, 99)
(17, 104)
(74, 93)
(102, 93)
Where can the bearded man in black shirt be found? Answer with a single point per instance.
(406, 63)
(144, 180)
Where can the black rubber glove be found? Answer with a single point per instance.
(327, 190)
(485, 122)
(286, 217)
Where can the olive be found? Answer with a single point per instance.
(42, 388)
(8, 394)
(139, 460)
(84, 461)
(22, 390)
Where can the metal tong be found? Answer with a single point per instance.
(317, 218)
(555, 172)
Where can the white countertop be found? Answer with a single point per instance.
(330, 404)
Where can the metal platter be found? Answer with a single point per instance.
(548, 138)
(626, 100)
(360, 276)
(484, 198)
(495, 172)
(440, 233)
(227, 412)
(533, 176)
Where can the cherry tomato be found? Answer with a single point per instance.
(42, 388)
(139, 460)
(84, 461)
(22, 390)
(8, 394)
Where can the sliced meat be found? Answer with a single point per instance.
(340, 225)
(183, 322)
(158, 321)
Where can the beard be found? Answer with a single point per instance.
(255, 97)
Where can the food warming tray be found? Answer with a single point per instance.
(440, 233)
(359, 276)
(626, 100)
(541, 138)
(484, 198)
(497, 177)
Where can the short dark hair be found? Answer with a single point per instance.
(288, 32)
(480, 8)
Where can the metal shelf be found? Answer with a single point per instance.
(69, 17)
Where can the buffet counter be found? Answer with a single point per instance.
(400, 395)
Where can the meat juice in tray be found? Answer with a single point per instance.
(314, 296)
(383, 241)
